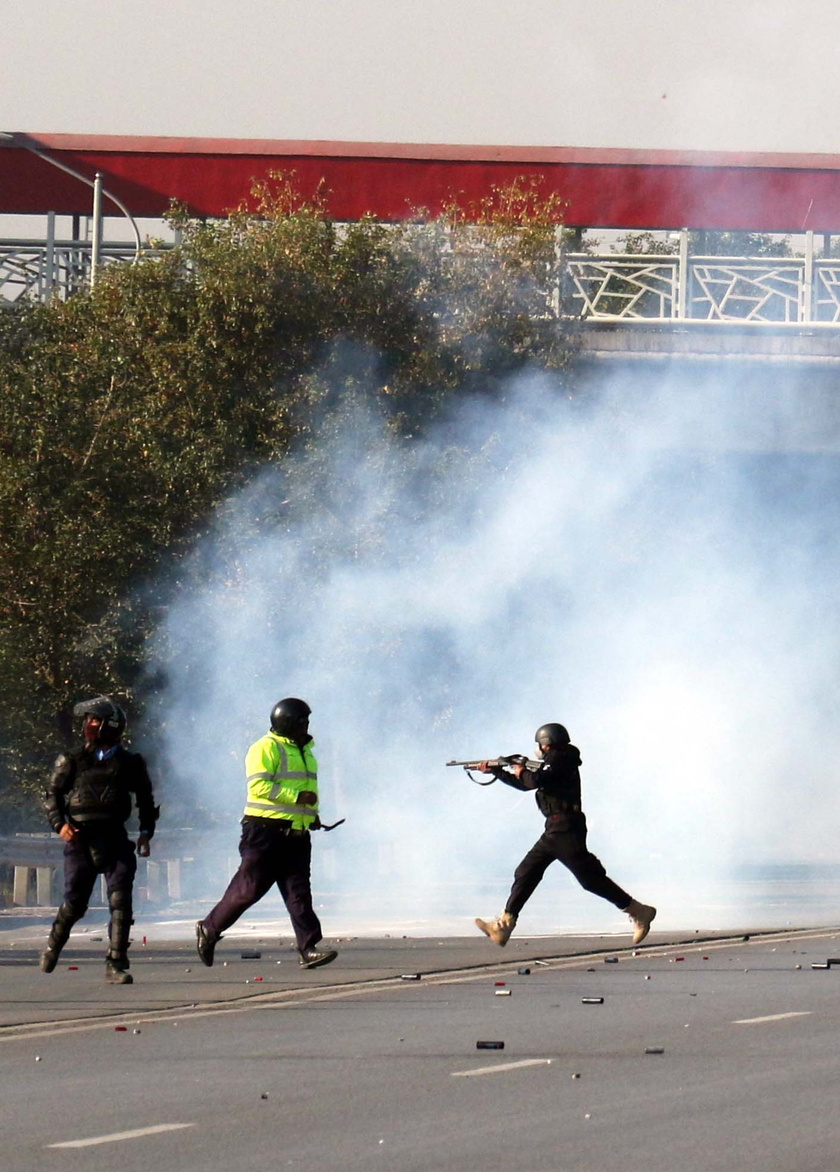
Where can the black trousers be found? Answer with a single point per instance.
(91, 854)
(269, 856)
(564, 840)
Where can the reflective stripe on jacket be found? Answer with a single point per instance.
(277, 772)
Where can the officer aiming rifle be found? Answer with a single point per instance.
(555, 778)
(495, 763)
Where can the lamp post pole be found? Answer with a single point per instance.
(96, 239)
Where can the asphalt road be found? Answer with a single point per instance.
(351, 1068)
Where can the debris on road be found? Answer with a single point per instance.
(502, 992)
(654, 1049)
(592, 1000)
(250, 956)
(489, 1045)
(410, 977)
(523, 972)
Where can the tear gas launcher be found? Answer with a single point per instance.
(497, 763)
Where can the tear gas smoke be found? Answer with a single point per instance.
(620, 562)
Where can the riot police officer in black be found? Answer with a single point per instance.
(557, 786)
(88, 801)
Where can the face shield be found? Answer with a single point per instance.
(103, 721)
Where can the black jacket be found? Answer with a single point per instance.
(557, 781)
(97, 794)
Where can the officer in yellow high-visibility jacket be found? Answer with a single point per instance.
(281, 808)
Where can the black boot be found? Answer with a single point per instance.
(206, 941)
(116, 962)
(59, 935)
(116, 969)
(311, 958)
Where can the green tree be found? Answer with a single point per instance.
(129, 413)
(746, 244)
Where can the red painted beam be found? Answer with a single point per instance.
(603, 188)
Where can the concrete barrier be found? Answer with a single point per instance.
(39, 858)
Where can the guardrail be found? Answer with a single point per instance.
(740, 289)
(597, 287)
(39, 271)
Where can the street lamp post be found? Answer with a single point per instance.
(19, 140)
(96, 241)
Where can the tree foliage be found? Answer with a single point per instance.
(707, 243)
(129, 413)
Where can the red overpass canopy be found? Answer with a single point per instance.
(603, 188)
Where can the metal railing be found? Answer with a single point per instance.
(606, 287)
(40, 271)
(682, 287)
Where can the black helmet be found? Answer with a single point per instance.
(104, 709)
(290, 717)
(552, 734)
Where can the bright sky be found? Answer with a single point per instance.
(694, 74)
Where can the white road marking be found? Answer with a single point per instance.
(772, 1017)
(120, 1135)
(503, 1068)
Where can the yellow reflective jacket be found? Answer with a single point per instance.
(277, 772)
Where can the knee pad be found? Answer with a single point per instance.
(119, 900)
(69, 913)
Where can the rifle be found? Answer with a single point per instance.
(497, 763)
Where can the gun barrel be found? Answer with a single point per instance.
(500, 762)
(493, 762)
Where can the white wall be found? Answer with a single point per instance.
(722, 75)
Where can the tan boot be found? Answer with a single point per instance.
(498, 930)
(642, 917)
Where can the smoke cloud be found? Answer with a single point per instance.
(644, 564)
